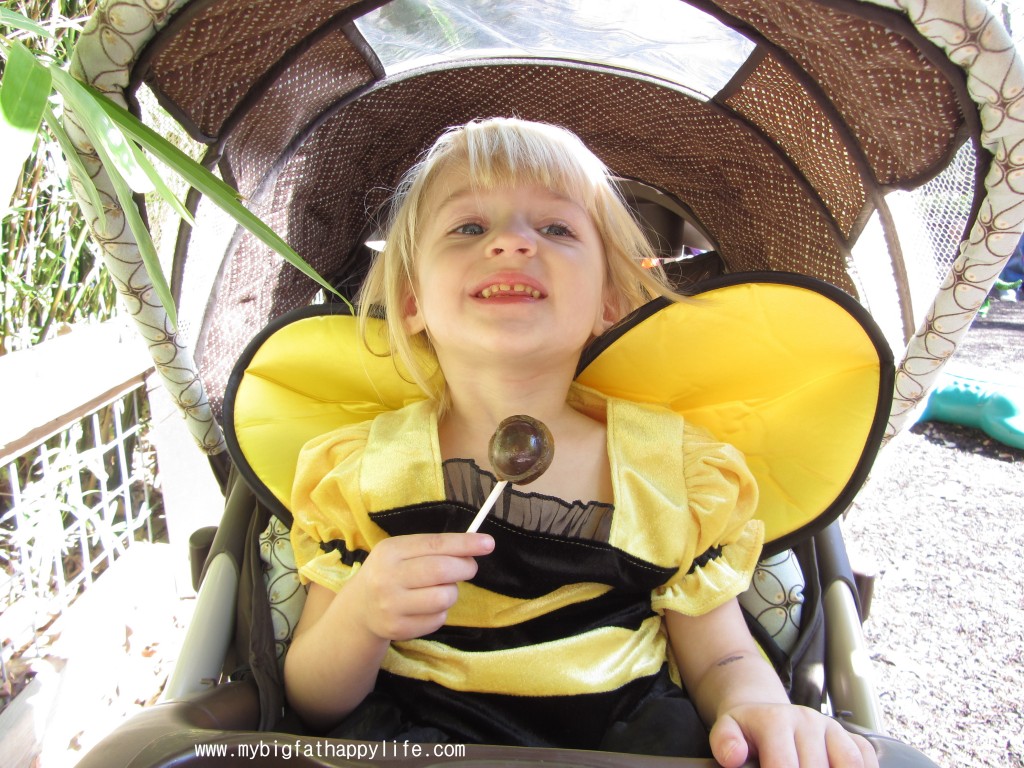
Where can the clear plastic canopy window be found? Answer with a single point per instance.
(666, 39)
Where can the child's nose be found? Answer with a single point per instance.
(512, 240)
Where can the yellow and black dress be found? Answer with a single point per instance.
(558, 640)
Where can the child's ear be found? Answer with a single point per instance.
(614, 309)
(412, 318)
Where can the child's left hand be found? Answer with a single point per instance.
(787, 736)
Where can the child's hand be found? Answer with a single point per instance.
(784, 735)
(407, 583)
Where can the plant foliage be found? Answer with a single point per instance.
(34, 91)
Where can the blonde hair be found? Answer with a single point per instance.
(502, 153)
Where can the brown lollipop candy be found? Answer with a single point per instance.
(521, 449)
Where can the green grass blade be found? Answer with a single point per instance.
(77, 167)
(161, 186)
(9, 18)
(102, 131)
(220, 193)
(263, 232)
(162, 149)
(81, 100)
(146, 247)
(23, 95)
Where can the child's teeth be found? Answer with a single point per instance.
(504, 287)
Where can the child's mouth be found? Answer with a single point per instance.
(513, 290)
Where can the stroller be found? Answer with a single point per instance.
(857, 162)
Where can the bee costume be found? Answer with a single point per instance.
(557, 641)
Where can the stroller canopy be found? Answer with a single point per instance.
(773, 132)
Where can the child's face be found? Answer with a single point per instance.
(517, 271)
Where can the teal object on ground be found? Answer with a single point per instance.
(973, 399)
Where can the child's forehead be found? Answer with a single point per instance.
(474, 195)
(454, 183)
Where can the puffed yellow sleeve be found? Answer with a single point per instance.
(725, 542)
(331, 533)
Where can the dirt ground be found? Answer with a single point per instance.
(941, 520)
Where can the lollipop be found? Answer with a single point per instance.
(521, 449)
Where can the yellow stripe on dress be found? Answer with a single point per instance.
(598, 661)
(479, 607)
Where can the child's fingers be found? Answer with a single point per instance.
(784, 736)
(867, 752)
(421, 560)
(728, 744)
(848, 750)
(432, 601)
(425, 611)
(776, 747)
(450, 544)
(811, 750)
(403, 614)
(822, 741)
(433, 570)
(832, 746)
(409, 582)
(444, 558)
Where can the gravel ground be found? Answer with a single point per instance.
(940, 521)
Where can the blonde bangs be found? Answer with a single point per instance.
(503, 154)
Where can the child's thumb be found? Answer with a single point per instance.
(728, 744)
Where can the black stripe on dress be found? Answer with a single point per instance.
(612, 609)
(528, 564)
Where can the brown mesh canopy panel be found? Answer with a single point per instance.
(213, 54)
(877, 79)
(326, 71)
(780, 106)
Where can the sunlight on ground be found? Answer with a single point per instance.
(111, 655)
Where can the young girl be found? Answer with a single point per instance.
(596, 608)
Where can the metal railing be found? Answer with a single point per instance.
(78, 476)
(71, 504)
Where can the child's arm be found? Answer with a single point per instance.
(403, 590)
(737, 691)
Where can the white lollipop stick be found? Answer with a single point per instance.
(488, 503)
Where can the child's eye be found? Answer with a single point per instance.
(557, 230)
(469, 229)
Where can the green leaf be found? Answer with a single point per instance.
(78, 168)
(23, 94)
(162, 149)
(145, 242)
(161, 186)
(102, 131)
(220, 193)
(16, 20)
